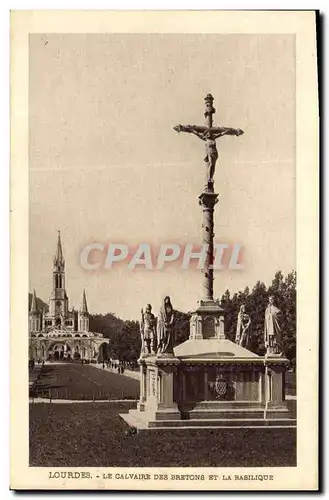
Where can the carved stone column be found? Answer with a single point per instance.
(207, 201)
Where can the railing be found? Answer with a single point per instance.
(62, 393)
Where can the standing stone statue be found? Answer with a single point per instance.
(165, 328)
(242, 327)
(272, 330)
(147, 328)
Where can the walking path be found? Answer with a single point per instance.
(64, 401)
(60, 401)
(127, 372)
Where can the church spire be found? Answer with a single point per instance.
(83, 316)
(59, 252)
(84, 308)
(59, 267)
(34, 305)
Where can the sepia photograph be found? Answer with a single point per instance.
(162, 340)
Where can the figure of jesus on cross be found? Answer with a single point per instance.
(209, 134)
(208, 197)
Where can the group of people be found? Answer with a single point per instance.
(119, 367)
(272, 331)
(157, 334)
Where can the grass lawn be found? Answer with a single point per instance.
(75, 381)
(93, 435)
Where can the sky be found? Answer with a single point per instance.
(106, 165)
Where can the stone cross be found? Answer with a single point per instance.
(209, 134)
(208, 198)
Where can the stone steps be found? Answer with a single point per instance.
(136, 420)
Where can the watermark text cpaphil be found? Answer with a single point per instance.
(96, 255)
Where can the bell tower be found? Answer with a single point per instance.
(58, 299)
(34, 316)
(83, 315)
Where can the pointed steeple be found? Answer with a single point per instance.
(59, 251)
(34, 305)
(59, 262)
(84, 308)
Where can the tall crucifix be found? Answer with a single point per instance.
(208, 198)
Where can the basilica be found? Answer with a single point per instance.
(57, 333)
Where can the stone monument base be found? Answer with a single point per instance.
(141, 422)
(211, 383)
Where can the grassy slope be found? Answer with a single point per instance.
(92, 434)
(74, 381)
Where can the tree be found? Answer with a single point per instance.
(182, 327)
(255, 307)
(126, 344)
(107, 324)
(124, 336)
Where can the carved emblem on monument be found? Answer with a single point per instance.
(219, 387)
(209, 330)
(152, 384)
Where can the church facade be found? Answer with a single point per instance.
(58, 333)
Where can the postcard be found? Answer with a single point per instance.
(164, 250)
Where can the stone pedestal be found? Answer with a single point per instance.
(207, 321)
(211, 383)
(241, 391)
(157, 402)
